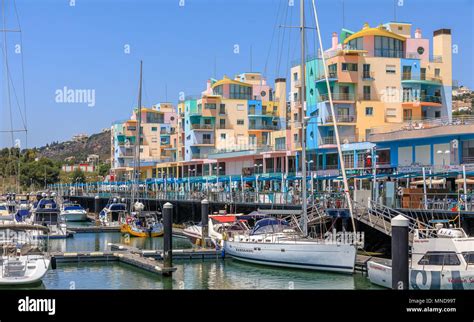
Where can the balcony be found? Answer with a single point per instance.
(332, 76)
(263, 127)
(368, 76)
(342, 119)
(433, 99)
(204, 127)
(331, 140)
(204, 142)
(433, 59)
(337, 97)
(422, 78)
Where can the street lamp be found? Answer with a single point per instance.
(256, 165)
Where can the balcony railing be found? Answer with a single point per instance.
(202, 126)
(422, 98)
(421, 77)
(330, 75)
(342, 119)
(337, 97)
(433, 59)
(263, 127)
(332, 139)
(367, 75)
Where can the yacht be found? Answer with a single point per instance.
(114, 214)
(218, 226)
(5, 215)
(45, 212)
(22, 260)
(443, 260)
(73, 212)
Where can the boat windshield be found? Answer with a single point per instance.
(74, 207)
(469, 257)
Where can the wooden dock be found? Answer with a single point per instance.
(145, 263)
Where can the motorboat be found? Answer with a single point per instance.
(273, 242)
(22, 259)
(114, 214)
(441, 258)
(218, 226)
(45, 212)
(5, 215)
(73, 212)
(142, 223)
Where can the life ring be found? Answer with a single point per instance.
(129, 220)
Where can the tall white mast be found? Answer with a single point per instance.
(136, 165)
(336, 130)
(304, 217)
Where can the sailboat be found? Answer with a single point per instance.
(272, 241)
(140, 223)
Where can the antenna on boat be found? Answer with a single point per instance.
(333, 116)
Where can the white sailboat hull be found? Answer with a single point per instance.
(304, 255)
(23, 270)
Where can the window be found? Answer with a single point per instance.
(206, 139)
(240, 107)
(391, 112)
(348, 159)
(349, 67)
(295, 76)
(210, 106)
(223, 136)
(295, 97)
(240, 122)
(154, 129)
(366, 71)
(388, 47)
(332, 70)
(390, 69)
(222, 123)
(222, 109)
(437, 114)
(280, 144)
(469, 257)
(356, 44)
(367, 93)
(240, 92)
(369, 111)
(218, 90)
(440, 258)
(437, 72)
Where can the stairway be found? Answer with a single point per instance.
(379, 216)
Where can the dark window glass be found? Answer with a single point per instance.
(440, 258)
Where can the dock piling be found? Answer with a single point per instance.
(167, 236)
(400, 253)
(204, 221)
(96, 204)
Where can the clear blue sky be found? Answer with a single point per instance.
(82, 47)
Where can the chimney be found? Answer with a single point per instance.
(418, 33)
(335, 40)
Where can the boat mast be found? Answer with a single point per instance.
(136, 166)
(304, 207)
(336, 130)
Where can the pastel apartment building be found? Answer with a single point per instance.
(158, 141)
(379, 77)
